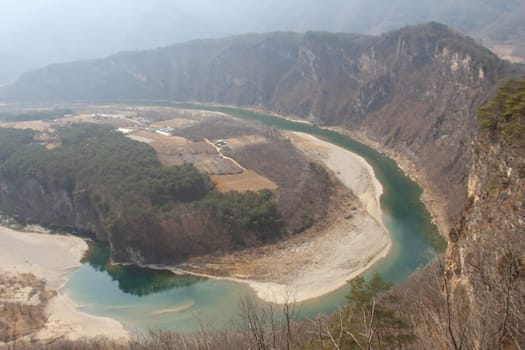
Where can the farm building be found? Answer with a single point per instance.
(165, 131)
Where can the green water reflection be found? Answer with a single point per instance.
(143, 299)
(133, 279)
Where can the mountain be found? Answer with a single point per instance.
(485, 265)
(53, 31)
(414, 91)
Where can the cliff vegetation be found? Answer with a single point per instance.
(102, 183)
(485, 261)
(414, 91)
(505, 115)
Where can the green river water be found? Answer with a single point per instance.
(146, 299)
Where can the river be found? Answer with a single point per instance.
(145, 299)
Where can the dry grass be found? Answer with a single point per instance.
(239, 142)
(215, 165)
(174, 123)
(218, 127)
(23, 300)
(314, 151)
(248, 180)
(34, 124)
(170, 145)
(46, 125)
(302, 196)
(176, 150)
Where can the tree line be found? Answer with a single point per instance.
(125, 181)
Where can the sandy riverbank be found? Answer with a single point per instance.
(434, 202)
(352, 170)
(311, 265)
(348, 246)
(430, 196)
(52, 258)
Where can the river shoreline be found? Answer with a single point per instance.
(308, 285)
(429, 197)
(345, 248)
(53, 257)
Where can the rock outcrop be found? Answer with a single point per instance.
(485, 258)
(415, 90)
(52, 206)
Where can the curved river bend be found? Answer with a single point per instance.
(145, 299)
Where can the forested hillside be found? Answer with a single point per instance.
(471, 298)
(103, 184)
(414, 91)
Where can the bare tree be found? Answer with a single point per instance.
(254, 318)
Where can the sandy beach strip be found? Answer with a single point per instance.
(310, 268)
(307, 269)
(53, 257)
(347, 247)
(352, 170)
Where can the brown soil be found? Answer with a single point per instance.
(248, 180)
(242, 141)
(174, 123)
(176, 150)
(23, 301)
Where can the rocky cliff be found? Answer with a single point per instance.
(415, 90)
(485, 259)
(98, 182)
(51, 205)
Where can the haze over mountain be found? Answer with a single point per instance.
(415, 90)
(427, 96)
(39, 33)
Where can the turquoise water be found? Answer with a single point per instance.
(144, 299)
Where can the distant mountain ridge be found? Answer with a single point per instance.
(254, 68)
(51, 31)
(414, 90)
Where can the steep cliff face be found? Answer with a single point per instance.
(98, 182)
(414, 90)
(486, 262)
(135, 235)
(34, 202)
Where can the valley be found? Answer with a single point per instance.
(342, 230)
(281, 162)
(413, 91)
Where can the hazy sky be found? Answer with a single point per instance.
(38, 32)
